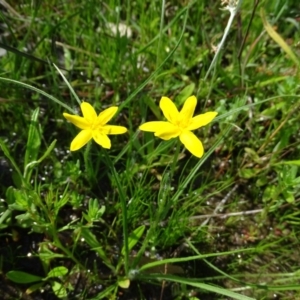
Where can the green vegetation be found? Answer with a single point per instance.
(146, 219)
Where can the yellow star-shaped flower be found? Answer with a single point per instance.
(180, 124)
(94, 126)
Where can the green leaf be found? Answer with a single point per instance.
(59, 290)
(289, 174)
(29, 166)
(94, 212)
(61, 201)
(278, 39)
(162, 268)
(197, 284)
(269, 193)
(248, 173)
(289, 162)
(185, 93)
(10, 195)
(46, 254)
(22, 277)
(33, 140)
(25, 220)
(17, 199)
(253, 155)
(3, 216)
(134, 238)
(57, 272)
(34, 287)
(262, 180)
(92, 241)
(154, 107)
(288, 196)
(296, 181)
(124, 283)
(12, 161)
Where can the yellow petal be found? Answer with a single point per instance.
(88, 112)
(113, 129)
(81, 139)
(168, 131)
(102, 139)
(77, 121)
(106, 115)
(169, 110)
(188, 109)
(192, 143)
(201, 120)
(153, 126)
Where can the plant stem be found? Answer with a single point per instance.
(176, 155)
(86, 158)
(161, 26)
(233, 9)
(59, 245)
(124, 211)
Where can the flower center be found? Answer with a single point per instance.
(96, 126)
(182, 123)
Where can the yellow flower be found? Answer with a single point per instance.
(180, 124)
(94, 126)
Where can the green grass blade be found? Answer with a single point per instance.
(33, 142)
(68, 84)
(195, 283)
(30, 87)
(12, 161)
(156, 72)
(278, 39)
(192, 173)
(22, 277)
(189, 258)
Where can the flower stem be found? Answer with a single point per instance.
(87, 159)
(176, 155)
(233, 9)
(124, 211)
